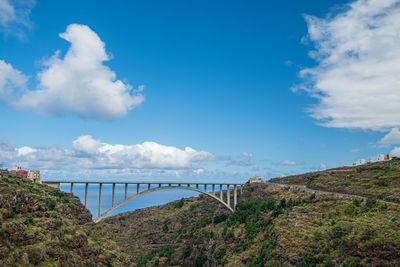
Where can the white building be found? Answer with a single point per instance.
(378, 158)
(360, 162)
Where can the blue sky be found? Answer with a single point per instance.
(253, 88)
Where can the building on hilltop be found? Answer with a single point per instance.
(256, 180)
(390, 157)
(19, 171)
(359, 162)
(35, 176)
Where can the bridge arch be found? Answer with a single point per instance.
(107, 212)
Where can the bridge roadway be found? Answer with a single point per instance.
(156, 186)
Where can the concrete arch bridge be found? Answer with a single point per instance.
(142, 188)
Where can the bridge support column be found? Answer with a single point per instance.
(220, 191)
(159, 185)
(72, 188)
(188, 185)
(179, 184)
(197, 186)
(148, 186)
(205, 187)
(213, 189)
(113, 196)
(100, 187)
(234, 197)
(126, 191)
(228, 196)
(169, 185)
(86, 193)
(137, 188)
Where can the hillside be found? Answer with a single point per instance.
(272, 226)
(381, 180)
(40, 225)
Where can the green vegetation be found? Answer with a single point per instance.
(43, 226)
(380, 180)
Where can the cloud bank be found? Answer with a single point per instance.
(356, 80)
(90, 153)
(392, 138)
(79, 82)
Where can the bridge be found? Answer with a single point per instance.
(208, 189)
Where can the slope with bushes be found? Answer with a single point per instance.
(40, 225)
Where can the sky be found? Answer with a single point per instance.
(197, 90)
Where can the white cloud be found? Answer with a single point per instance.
(357, 77)
(395, 151)
(77, 82)
(14, 16)
(289, 163)
(392, 138)
(323, 166)
(10, 79)
(355, 150)
(89, 153)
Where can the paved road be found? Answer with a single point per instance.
(320, 192)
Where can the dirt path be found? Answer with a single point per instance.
(320, 192)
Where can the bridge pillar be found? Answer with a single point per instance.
(197, 186)
(188, 185)
(234, 197)
(100, 187)
(86, 193)
(169, 185)
(113, 195)
(220, 191)
(72, 188)
(126, 191)
(179, 184)
(213, 189)
(137, 188)
(159, 185)
(148, 186)
(228, 196)
(205, 187)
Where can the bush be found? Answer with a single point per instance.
(179, 204)
(382, 182)
(220, 218)
(220, 253)
(165, 228)
(351, 210)
(200, 260)
(187, 251)
(28, 218)
(307, 259)
(371, 202)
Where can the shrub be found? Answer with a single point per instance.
(382, 182)
(187, 251)
(200, 260)
(165, 228)
(28, 218)
(371, 202)
(219, 254)
(351, 210)
(179, 204)
(307, 258)
(220, 218)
